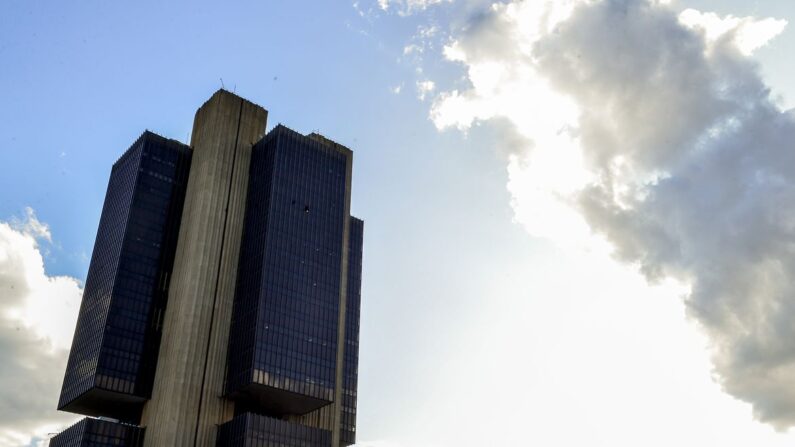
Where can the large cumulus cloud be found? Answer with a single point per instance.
(654, 131)
(37, 315)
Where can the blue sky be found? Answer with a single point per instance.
(474, 321)
(80, 69)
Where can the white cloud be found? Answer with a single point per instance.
(31, 225)
(654, 132)
(424, 88)
(408, 7)
(412, 49)
(37, 315)
(427, 32)
(423, 41)
(746, 33)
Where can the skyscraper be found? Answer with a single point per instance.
(221, 307)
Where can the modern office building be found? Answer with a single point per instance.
(221, 306)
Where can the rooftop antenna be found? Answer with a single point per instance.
(222, 83)
(234, 89)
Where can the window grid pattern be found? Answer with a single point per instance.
(251, 430)
(82, 364)
(350, 366)
(118, 330)
(99, 433)
(289, 277)
(242, 337)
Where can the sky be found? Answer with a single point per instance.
(578, 225)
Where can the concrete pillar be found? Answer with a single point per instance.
(186, 405)
(335, 432)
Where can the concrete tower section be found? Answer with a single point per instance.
(186, 404)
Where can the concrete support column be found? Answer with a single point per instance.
(186, 405)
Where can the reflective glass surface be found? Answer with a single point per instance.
(98, 433)
(285, 319)
(112, 362)
(350, 366)
(251, 430)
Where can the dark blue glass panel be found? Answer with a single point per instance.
(251, 430)
(98, 433)
(283, 342)
(350, 366)
(112, 362)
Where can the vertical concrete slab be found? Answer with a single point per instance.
(186, 403)
(214, 409)
(335, 437)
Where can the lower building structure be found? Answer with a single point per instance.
(91, 432)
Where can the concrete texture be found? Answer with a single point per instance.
(335, 437)
(186, 405)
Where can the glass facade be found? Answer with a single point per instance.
(112, 361)
(99, 433)
(350, 367)
(283, 342)
(252, 430)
